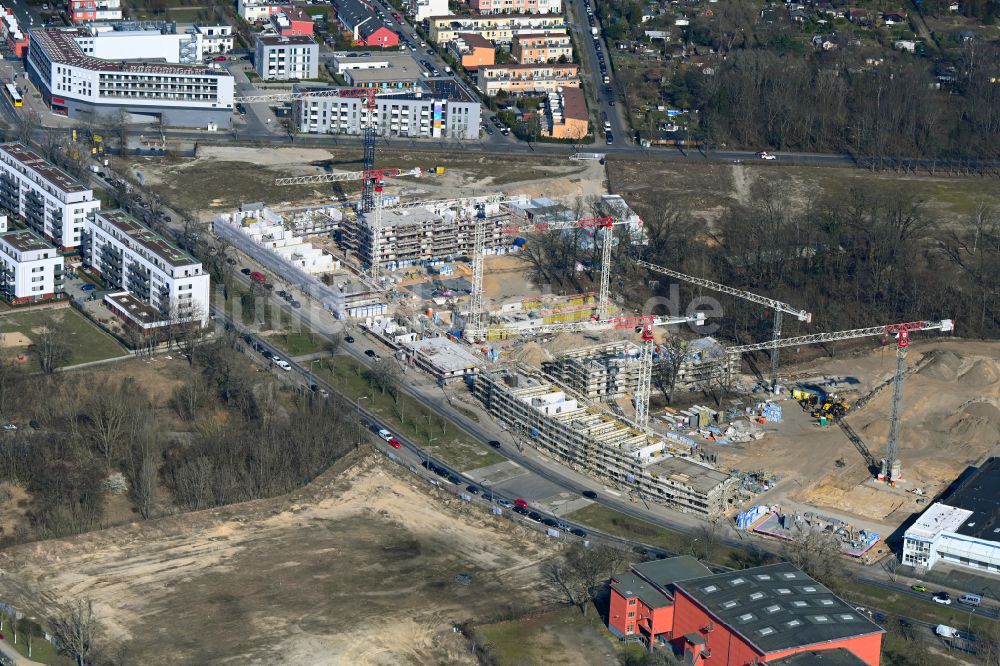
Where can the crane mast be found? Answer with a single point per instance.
(778, 307)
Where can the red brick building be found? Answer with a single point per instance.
(774, 614)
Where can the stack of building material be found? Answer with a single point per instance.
(771, 412)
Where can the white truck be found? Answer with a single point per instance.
(944, 631)
(595, 32)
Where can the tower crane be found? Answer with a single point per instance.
(344, 176)
(644, 325)
(474, 322)
(778, 307)
(890, 468)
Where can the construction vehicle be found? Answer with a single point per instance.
(832, 408)
(889, 468)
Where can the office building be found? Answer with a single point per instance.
(592, 442)
(527, 78)
(280, 58)
(497, 28)
(516, 6)
(962, 530)
(31, 268)
(440, 109)
(533, 48)
(46, 198)
(566, 114)
(88, 87)
(130, 256)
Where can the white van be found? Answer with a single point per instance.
(385, 434)
(970, 599)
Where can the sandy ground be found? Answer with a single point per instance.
(951, 419)
(8, 340)
(356, 569)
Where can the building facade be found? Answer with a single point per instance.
(51, 202)
(130, 256)
(82, 11)
(125, 40)
(472, 50)
(10, 31)
(642, 599)
(527, 78)
(960, 530)
(280, 58)
(424, 9)
(291, 21)
(216, 38)
(534, 48)
(497, 28)
(31, 268)
(254, 11)
(566, 114)
(80, 85)
(434, 114)
(516, 6)
(593, 443)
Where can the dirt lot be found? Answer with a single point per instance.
(221, 178)
(950, 420)
(358, 568)
(707, 187)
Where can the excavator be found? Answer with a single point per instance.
(833, 407)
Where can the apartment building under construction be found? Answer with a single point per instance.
(611, 370)
(592, 442)
(411, 235)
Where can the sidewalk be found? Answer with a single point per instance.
(14, 657)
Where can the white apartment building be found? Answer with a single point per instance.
(215, 38)
(50, 201)
(252, 11)
(31, 268)
(963, 529)
(424, 9)
(280, 57)
(87, 86)
(130, 256)
(109, 42)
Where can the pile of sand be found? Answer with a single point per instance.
(976, 421)
(945, 366)
(984, 372)
(14, 339)
(532, 354)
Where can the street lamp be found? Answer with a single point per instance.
(311, 371)
(357, 403)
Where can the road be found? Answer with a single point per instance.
(591, 60)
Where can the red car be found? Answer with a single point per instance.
(521, 503)
(257, 276)
(220, 59)
(394, 443)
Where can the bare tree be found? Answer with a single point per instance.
(578, 575)
(666, 372)
(142, 465)
(75, 627)
(114, 414)
(385, 374)
(819, 555)
(50, 348)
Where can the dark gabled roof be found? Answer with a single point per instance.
(777, 607)
(354, 12)
(369, 28)
(980, 494)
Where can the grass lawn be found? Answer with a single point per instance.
(439, 436)
(41, 650)
(296, 343)
(902, 604)
(85, 340)
(564, 636)
(617, 523)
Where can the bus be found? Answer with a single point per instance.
(14, 97)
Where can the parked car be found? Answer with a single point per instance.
(589, 494)
(258, 277)
(394, 443)
(385, 434)
(551, 522)
(610, 138)
(245, 271)
(521, 503)
(943, 598)
(578, 532)
(296, 304)
(472, 490)
(505, 503)
(282, 363)
(521, 510)
(268, 355)
(9, 426)
(281, 293)
(370, 353)
(534, 515)
(918, 588)
(220, 58)
(88, 288)
(35, 425)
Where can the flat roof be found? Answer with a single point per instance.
(700, 477)
(936, 519)
(399, 69)
(285, 40)
(444, 354)
(61, 47)
(555, 66)
(669, 571)
(147, 238)
(629, 585)
(25, 240)
(53, 174)
(835, 657)
(778, 607)
(135, 309)
(980, 493)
